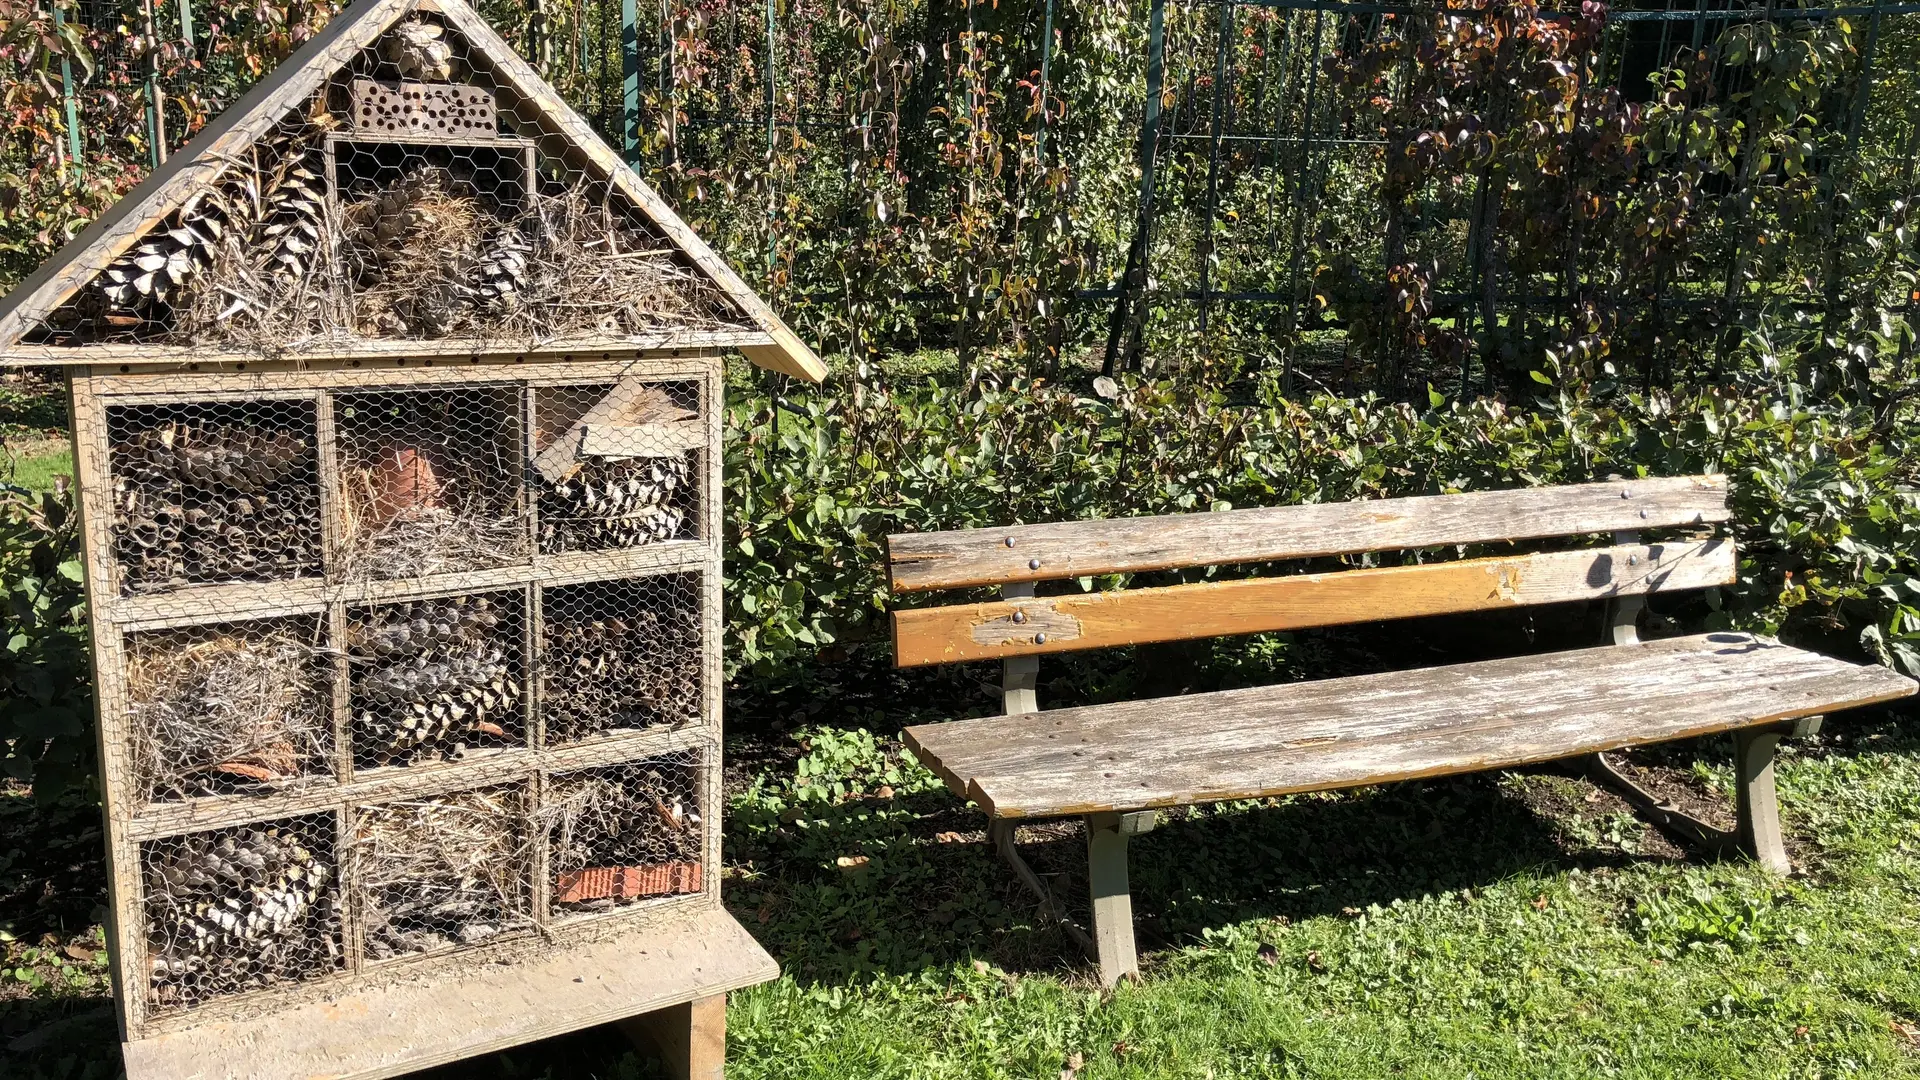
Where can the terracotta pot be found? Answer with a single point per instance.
(402, 479)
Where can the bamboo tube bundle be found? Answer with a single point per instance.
(625, 833)
(622, 655)
(238, 909)
(433, 676)
(211, 494)
(443, 872)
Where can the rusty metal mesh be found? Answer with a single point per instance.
(432, 678)
(443, 872)
(240, 909)
(431, 481)
(620, 655)
(213, 491)
(626, 833)
(617, 465)
(416, 196)
(232, 707)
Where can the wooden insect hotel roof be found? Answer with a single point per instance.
(194, 262)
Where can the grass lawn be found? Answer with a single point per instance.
(34, 461)
(1507, 925)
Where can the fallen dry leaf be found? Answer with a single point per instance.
(1540, 902)
(949, 838)
(983, 967)
(1268, 953)
(851, 862)
(885, 792)
(1121, 1049)
(1906, 1030)
(1315, 963)
(80, 953)
(1072, 1069)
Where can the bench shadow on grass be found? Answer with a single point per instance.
(933, 904)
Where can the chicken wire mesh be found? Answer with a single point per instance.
(213, 491)
(415, 196)
(432, 678)
(620, 655)
(625, 833)
(232, 707)
(240, 909)
(431, 481)
(617, 465)
(443, 872)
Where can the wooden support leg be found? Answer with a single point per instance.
(691, 1039)
(1759, 828)
(1112, 903)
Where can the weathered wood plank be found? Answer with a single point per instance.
(403, 1026)
(967, 557)
(1019, 627)
(412, 352)
(1372, 729)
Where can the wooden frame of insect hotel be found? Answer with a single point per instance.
(396, 403)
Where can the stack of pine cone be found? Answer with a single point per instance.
(437, 675)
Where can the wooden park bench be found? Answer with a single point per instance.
(1115, 764)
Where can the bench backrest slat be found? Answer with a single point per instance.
(1030, 625)
(1046, 552)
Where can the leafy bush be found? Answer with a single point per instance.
(46, 696)
(1824, 506)
(1823, 497)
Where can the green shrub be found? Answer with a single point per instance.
(1824, 506)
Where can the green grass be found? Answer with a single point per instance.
(35, 464)
(1507, 925)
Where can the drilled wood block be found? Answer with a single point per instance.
(418, 108)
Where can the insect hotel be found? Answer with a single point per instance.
(396, 413)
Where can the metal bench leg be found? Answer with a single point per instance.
(1112, 901)
(1758, 832)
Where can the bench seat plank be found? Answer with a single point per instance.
(1369, 729)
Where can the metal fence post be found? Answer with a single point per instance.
(69, 105)
(630, 80)
(1215, 131)
(1133, 282)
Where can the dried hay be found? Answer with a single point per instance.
(224, 713)
(442, 872)
(635, 816)
(429, 257)
(399, 522)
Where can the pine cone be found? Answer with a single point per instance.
(442, 673)
(419, 50)
(169, 258)
(498, 281)
(230, 891)
(617, 504)
(292, 226)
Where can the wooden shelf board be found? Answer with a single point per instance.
(375, 352)
(407, 1025)
(196, 605)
